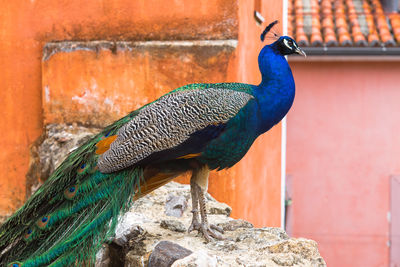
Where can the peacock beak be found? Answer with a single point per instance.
(300, 51)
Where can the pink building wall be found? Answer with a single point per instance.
(343, 144)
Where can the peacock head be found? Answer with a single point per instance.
(285, 45)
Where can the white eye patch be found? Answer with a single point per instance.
(286, 42)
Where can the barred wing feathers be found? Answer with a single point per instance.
(77, 208)
(171, 121)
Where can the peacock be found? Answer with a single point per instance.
(195, 128)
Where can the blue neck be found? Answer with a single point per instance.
(275, 93)
(273, 65)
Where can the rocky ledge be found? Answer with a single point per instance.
(153, 233)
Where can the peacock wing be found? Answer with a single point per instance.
(169, 123)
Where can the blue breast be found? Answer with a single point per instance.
(273, 98)
(275, 93)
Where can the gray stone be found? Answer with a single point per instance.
(302, 248)
(218, 208)
(103, 257)
(175, 205)
(51, 149)
(133, 260)
(286, 259)
(173, 225)
(232, 225)
(60, 140)
(123, 238)
(166, 253)
(197, 259)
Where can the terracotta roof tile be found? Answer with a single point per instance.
(290, 18)
(300, 35)
(395, 22)
(356, 23)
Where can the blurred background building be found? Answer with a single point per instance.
(85, 64)
(343, 146)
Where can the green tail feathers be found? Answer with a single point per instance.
(69, 217)
(66, 221)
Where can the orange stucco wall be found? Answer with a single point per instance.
(343, 145)
(252, 188)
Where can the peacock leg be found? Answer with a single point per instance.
(195, 207)
(199, 185)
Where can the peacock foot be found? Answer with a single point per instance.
(209, 231)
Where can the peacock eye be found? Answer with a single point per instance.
(288, 43)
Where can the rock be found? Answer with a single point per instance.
(297, 249)
(60, 140)
(133, 260)
(127, 248)
(244, 245)
(232, 225)
(103, 257)
(149, 223)
(197, 259)
(51, 149)
(166, 253)
(129, 230)
(164, 215)
(175, 205)
(173, 225)
(286, 259)
(116, 255)
(217, 208)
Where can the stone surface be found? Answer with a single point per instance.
(60, 140)
(218, 208)
(175, 205)
(166, 253)
(52, 148)
(232, 225)
(199, 258)
(173, 225)
(244, 245)
(103, 257)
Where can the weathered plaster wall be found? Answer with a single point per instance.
(27, 25)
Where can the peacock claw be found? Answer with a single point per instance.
(217, 228)
(193, 226)
(209, 231)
